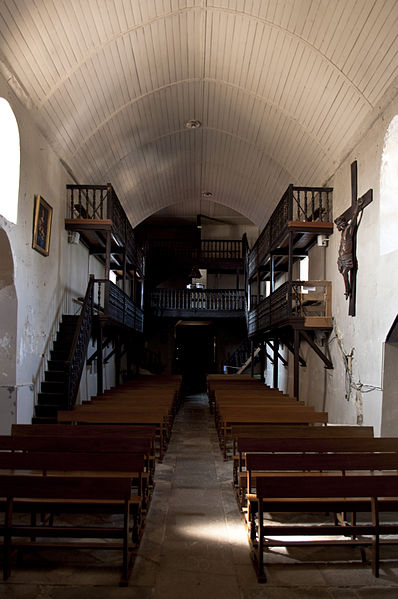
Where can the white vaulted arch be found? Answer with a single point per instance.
(9, 162)
(389, 190)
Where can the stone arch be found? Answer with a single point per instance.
(389, 190)
(8, 337)
(9, 162)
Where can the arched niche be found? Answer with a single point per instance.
(389, 424)
(9, 162)
(8, 337)
(389, 190)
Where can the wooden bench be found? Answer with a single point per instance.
(294, 438)
(272, 415)
(366, 493)
(67, 494)
(75, 445)
(136, 417)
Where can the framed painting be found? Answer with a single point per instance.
(42, 216)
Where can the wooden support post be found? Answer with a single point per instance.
(117, 360)
(108, 255)
(276, 363)
(262, 361)
(124, 271)
(100, 364)
(252, 358)
(296, 378)
(272, 275)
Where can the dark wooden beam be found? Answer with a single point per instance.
(317, 350)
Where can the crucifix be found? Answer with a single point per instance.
(348, 224)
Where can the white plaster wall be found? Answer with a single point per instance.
(377, 290)
(44, 285)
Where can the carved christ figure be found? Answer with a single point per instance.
(346, 257)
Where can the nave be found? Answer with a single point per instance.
(194, 543)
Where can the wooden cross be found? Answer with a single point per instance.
(347, 223)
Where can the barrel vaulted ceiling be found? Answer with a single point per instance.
(281, 89)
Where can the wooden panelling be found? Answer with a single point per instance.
(281, 89)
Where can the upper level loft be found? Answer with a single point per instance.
(277, 298)
(174, 253)
(94, 213)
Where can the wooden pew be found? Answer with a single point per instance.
(135, 417)
(67, 494)
(76, 445)
(272, 415)
(290, 438)
(335, 493)
(61, 462)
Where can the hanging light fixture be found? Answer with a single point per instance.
(198, 221)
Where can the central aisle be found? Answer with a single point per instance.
(194, 543)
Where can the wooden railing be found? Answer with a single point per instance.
(209, 249)
(305, 204)
(100, 202)
(115, 304)
(78, 352)
(307, 300)
(163, 301)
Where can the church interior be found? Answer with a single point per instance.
(198, 240)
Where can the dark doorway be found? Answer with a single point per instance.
(194, 354)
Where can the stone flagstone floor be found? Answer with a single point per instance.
(194, 544)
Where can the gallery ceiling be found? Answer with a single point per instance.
(279, 91)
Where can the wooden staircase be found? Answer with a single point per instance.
(53, 392)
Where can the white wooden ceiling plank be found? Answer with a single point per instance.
(171, 74)
(117, 77)
(81, 20)
(324, 25)
(141, 60)
(137, 12)
(338, 126)
(50, 29)
(95, 22)
(72, 27)
(215, 54)
(377, 57)
(255, 73)
(294, 87)
(25, 47)
(17, 62)
(183, 45)
(273, 72)
(249, 56)
(160, 41)
(299, 14)
(127, 7)
(286, 73)
(343, 33)
(103, 21)
(311, 10)
(385, 78)
(103, 65)
(116, 16)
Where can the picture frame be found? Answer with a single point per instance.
(42, 217)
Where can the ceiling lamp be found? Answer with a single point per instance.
(193, 124)
(207, 194)
(198, 221)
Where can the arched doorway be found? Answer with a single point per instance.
(389, 423)
(8, 337)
